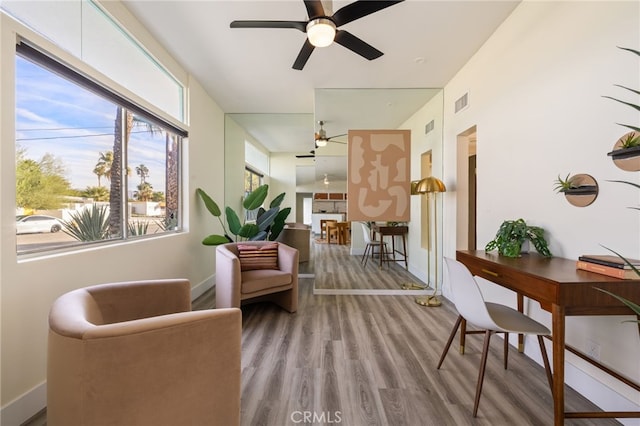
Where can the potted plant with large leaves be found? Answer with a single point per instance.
(268, 224)
(628, 146)
(512, 234)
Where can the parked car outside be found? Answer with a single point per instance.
(37, 223)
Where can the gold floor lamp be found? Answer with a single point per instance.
(431, 186)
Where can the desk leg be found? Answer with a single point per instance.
(557, 318)
(393, 247)
(404, 252)
(521, 336)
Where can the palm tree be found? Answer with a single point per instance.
(103, 166)
(124, 121)
(98, 193)
(143, 172)
(115, 199)
(144, 192)
(171, 209)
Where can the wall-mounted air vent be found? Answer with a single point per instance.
(429, 127)
(462, 102)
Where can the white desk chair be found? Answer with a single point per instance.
(492, 317)
(371, 244)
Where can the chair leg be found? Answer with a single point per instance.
(483, 365)
(446, 347)
(506, 350)
(364, 256)
(545, 360)
(383, 253)
(463, 335)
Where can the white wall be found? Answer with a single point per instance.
(30, 286)
(421, 143)
(234, 164)
(535, 95)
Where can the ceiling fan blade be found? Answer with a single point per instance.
(298, 25)
(336, 136)
(303, 56)
(356, 45)
(330, 139)
(312, 154)
(358, 9)
(314, 8)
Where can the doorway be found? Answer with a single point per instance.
(466, 197)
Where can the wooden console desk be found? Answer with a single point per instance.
(563, 290)
(393, 232)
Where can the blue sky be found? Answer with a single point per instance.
(58, 117)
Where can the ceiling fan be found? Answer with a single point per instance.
(321, 138)
(322, 30)
(312, 154)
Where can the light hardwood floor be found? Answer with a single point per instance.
(371, 360)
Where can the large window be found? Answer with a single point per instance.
(84, 29)
(106, 168)
(252, 180)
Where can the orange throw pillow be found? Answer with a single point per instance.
(258, 257)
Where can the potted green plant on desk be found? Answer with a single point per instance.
(511, 236)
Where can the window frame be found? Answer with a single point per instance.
(251, 215)
(110, 91)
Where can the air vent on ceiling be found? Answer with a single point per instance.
(462, 102)
(429, 127)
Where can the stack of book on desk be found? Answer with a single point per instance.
(609, 265)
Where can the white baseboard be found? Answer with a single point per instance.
(199, 289)
(25, 406)
(369, 292)
(606, 398)
(600, 394)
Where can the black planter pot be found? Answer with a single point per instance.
(620, 154)
(582, 190)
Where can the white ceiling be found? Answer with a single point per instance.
(248, 71)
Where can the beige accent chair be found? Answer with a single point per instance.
(298, 236)
(234, 286)
(133, 353)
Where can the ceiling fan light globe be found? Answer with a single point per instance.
(321, 142)
(321, 32)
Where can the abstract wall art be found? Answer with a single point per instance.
(379, 175)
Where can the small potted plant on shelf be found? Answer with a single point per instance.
(564, 185)
(511, 236)
(575, 185)
(626, 147)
